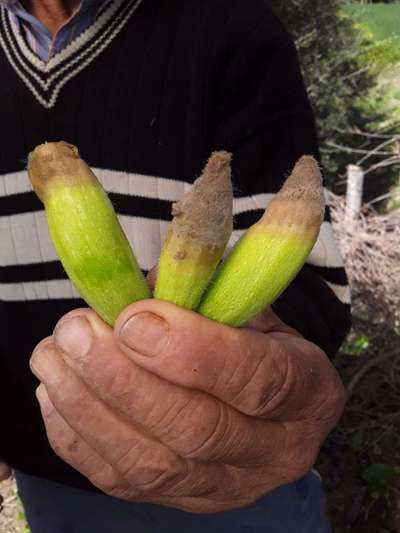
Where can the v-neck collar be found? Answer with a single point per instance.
(45, 80)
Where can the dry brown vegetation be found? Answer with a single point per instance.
(361, 458)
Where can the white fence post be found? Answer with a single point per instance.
(354, 193)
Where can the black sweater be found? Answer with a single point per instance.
(147, 93)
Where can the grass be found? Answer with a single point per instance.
(380, 24)
(382, 21)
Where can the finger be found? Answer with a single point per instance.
(259, 374)
(119, 443)
(70, 446)
(75, 451)
(148, 466)
(5, 471)
(192, 423)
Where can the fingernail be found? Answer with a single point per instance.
(74, 336)
(145, 333)
(43, 398)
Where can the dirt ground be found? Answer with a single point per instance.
(360, 462)
(12, 518)
(361, 459)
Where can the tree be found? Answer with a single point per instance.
(340, 83)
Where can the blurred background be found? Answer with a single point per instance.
(350, 56)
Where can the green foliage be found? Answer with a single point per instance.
(382, 20)
(380, 23)
(357, 346)
(343, 87)
(379, 478)
(383, 54)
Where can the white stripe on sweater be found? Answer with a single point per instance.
(53, 289)
(141, 185)
(38, 290)
(24, 238)
(342, 292)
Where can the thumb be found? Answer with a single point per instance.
(5, 471)
(191, 351)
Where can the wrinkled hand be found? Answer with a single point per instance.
(174, 409)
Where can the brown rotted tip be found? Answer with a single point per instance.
(54, 149)
(205, 212)
(218, 165)
(306, 175)
(301, 199)
(55, 163)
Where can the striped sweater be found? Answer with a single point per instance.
(147, 92)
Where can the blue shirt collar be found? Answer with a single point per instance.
(40, 37)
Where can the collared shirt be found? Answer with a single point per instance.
(39, 38)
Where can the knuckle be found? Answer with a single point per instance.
(298, 451)
(155, 473)
(45, 345)
(164, 482)
(336, 400)
(208, 436)
(303, 465)
(278, 389)
(330, 395)
(301, 458)
(80, 312)
(233, 375)
(56, 446)
(266, 384)
(118, 490)
(330, 401)
(46, 353)
(110, 483)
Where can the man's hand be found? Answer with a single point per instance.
(175, 409)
